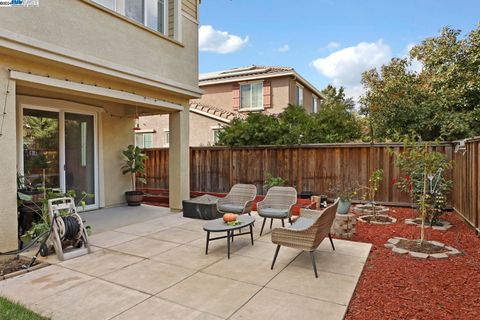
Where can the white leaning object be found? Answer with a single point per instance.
(78, 244)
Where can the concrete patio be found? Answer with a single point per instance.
(149, 263)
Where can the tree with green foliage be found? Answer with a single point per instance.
(442, 101)
(336, 121)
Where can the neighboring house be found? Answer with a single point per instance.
(74, 75)
(234, 93)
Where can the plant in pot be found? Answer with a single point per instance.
(135, 166)
(345, 193)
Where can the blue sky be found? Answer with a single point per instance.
(342, 37)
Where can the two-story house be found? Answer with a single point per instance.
(234, 93)
(74, 77)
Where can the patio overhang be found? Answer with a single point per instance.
(86, 90)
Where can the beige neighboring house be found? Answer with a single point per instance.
(74, 75)
(234, 93)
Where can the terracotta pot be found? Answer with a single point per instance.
(134, 198)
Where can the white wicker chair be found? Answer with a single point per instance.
(239, 200)
(278, 204)
(307, 232)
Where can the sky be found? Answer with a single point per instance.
(326, 41)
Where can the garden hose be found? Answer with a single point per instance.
(18, 251)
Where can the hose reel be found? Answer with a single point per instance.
(69, 236)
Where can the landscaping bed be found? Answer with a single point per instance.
(394, 286)
(12, 267)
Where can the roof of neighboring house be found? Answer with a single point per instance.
(253, 72)
(214, 112)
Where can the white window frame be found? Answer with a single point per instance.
(299, 89)
(314, 104)
(215, 129)
(119, 7)
(143, 133)
(261, 108)
(166, 138)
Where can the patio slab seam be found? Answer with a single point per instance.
(264, 286)
(216, 315)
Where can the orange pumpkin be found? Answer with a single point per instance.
(229, 217)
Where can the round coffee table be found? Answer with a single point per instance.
(218, 225)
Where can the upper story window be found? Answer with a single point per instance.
(144, 140)
(299, 95)
(314, 104)
(110, 4)
(159, 15)
(251, 96)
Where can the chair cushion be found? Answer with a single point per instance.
(230, 207)
(273, 213)
(301, 223)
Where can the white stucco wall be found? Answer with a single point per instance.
(8, 161)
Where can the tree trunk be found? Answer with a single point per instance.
(423, 207)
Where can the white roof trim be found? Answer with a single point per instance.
(206, 114)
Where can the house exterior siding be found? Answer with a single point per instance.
(77, 54)
(201, 129)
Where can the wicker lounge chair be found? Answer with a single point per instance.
(278, 204)
(239, 200)
(307, 232)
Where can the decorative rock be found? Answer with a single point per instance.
(418, 255)
(399, 250)
(444, 227)
(344, 225)
(436, 243)
(438, 255)
(364, 209)
(454, 252)
(392, 244)
(362, 219)
(393, 241)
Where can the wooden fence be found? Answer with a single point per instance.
(313, 168)
(466, 182)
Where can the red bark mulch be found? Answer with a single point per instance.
(396, 286)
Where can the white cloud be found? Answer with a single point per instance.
(332, 45)
(284, 48)
(345, 66)
(415, 65)
(211, 40)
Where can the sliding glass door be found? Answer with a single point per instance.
(41, 143)
(80, 155)
(60, 145)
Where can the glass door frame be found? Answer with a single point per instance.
(61, 127)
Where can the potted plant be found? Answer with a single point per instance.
(135, 166)
(345, 193)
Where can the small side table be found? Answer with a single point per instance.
(344, 225)
(218, 225)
